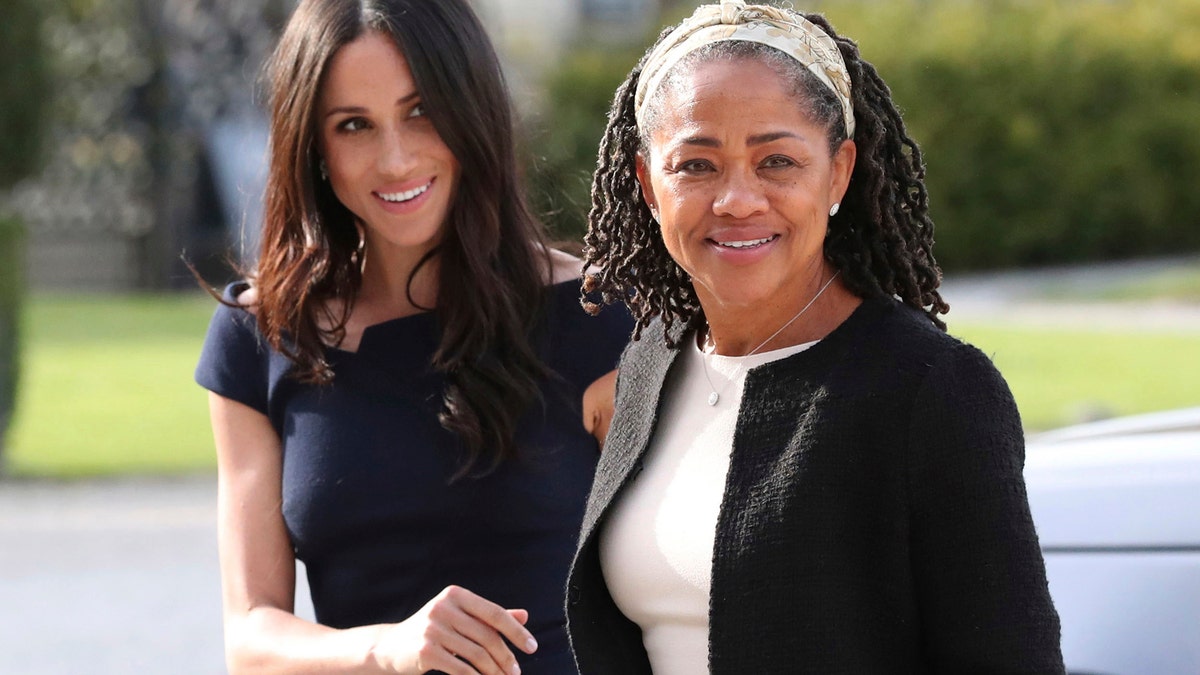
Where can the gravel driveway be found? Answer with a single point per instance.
(110, 577)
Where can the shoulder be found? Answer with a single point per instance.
(234, 358)
(883, 341)
(238, 305)
(567, 315)
(963, 378)
(909, 328)
(234, 322)
(245, 295)
(944, 360)
(576, 344)
(963, 408)
(238, 298)
(579, 339)
(564, 267)
(905, 340)
(953, 367)
(889, 349)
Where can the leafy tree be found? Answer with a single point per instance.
(23, 92)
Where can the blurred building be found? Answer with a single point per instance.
(533, 35)
(157, 148)
(156, 142)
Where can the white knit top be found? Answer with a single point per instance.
(656, 547)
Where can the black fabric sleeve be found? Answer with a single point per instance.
(613, 327)
(980, 578)
(234, 359)
(586, 347)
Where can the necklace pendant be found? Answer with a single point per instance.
(713, 398)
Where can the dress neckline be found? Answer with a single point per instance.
(419, 321)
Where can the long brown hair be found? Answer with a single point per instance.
(492, 255)
(881, 240)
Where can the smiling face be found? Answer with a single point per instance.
(741, 182)
(386, 162)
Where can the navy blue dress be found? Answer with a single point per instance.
(367, 497)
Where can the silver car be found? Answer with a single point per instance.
(1117, 509)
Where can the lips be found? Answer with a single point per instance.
(404, 195)
(747, 243)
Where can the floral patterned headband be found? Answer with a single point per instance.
(790, 33)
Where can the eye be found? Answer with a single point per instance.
(694, 166)
(777, 162)
(353, 124)
(418, 110)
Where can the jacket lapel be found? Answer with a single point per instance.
(643, 371)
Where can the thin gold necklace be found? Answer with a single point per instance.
(715, 396)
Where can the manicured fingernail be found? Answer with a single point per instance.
(531, 645)
(516, 669)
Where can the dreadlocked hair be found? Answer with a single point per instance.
(634, 265)
(881, 240)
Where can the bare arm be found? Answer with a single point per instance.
(262, 634)
(598, 405)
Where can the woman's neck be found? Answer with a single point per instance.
(391, 290)
(745, 331)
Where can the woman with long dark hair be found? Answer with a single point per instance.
(396, 389)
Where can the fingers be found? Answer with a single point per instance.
(468, 656)
(481, 647)
(436, 655)
(501, 620)
(470, 630)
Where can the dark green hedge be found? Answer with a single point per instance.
(11, 293)
(24, 89)
(1053, 131)
(566, 139)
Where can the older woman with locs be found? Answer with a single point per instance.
(396, 389)
(804, 473)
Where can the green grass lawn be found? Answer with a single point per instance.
(107, 381)
(1064, 376)
(106, 387)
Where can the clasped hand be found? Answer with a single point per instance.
(458, 633)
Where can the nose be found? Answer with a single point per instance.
(740, 196)
(397, 157)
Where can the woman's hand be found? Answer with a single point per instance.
(458, 633)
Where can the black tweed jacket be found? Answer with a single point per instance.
(874, 519)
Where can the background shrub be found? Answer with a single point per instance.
(23, 92)
(1053, 131)
(11, 291)
(565, 140)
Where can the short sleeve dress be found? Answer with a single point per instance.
(368, 499)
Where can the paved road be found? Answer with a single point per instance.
(1048, 297)
(110, 577)
(116, 577)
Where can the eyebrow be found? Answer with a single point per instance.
(359, 110)
(757, 139)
